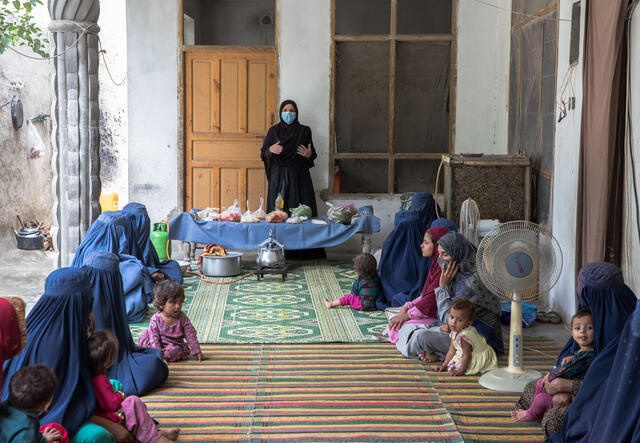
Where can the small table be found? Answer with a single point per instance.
(247, 236)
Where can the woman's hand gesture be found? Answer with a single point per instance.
(276, 148)
(448, 273)
(304, 151)
(399, 319)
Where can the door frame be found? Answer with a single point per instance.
(182, 103)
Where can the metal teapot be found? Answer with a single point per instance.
(270, 253)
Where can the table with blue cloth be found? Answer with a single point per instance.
(247, 236)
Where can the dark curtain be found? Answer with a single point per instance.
(600, 185)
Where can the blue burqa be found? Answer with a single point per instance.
(139, 369)
(140, 226)
(137, 285)
(602, 291)
(57, 337)
(444, 223)
(107, 233)
(402, 266)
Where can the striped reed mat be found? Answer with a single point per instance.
(482, 415)
(307, 392)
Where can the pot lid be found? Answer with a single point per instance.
(271, 243)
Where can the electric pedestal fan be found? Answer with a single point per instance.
(517, 261)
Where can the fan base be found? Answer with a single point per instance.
(501, 380)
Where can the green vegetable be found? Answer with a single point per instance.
(301, 211)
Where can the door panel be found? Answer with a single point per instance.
(229, 106)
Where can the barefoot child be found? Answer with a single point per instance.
(169, 327)
(469, 352)
(31, 391)
(365, 289)
(130, 411)
(573, 367)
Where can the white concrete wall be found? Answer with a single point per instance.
(153, 59)
(565, 181)
(25, 183)
(482, 91)
(631, 242)
(113, 100)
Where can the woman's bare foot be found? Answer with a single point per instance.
(520, 415)
(428, 357)
(169, 434)
(327, 303)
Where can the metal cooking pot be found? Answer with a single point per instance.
(29, 238)
(221, 265)
(270, 252)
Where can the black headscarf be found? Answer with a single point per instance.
(289, 135)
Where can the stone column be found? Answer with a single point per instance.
(75, 114)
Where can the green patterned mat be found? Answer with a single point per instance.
(273, 311)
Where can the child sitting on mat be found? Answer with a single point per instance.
(365, 289)
(573, 367)
(113, 405)
(169, 327)
(469, 352)
(31, 391)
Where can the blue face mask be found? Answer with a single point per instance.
(443, 262)
(288, 116)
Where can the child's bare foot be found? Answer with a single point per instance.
(428, 357)
(520, 416)
(170, 434)
(327, 303)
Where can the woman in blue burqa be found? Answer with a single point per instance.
(605, 407)
(139, 226)
(112, 232)
(402, 267)
(58, 327)
(138, 369)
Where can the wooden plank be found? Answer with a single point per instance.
(229, 94)
(257, 111)
(242, 96)
(201, 96)
(256, 187)
(202, 187)
(226, 151)
(229, 186)
(386, 38)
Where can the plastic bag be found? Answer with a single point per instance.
(297, 219)
(277, 217)
(35, 145)
(341, 214)
(248, 216)
(259, 213)
(301, 211)
(207, 214)
(529, 313)
(232, 213)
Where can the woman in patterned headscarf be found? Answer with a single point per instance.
(459, 279)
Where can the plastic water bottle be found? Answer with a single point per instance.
(279, 202)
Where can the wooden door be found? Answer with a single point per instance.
(230, 103)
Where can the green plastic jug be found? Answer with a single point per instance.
(159, 239)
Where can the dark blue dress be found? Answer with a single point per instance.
(402, 266)
(57, 337)
(139, 369)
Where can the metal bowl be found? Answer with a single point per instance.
(221, 266)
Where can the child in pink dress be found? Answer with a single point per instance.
(169, 327)
(112, 404)
(365, 289)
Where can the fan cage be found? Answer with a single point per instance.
(519, 237)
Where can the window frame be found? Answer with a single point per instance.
(393, 38)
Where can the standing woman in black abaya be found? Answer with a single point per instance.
(288, 153)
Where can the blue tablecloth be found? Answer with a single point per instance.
(232, 235)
